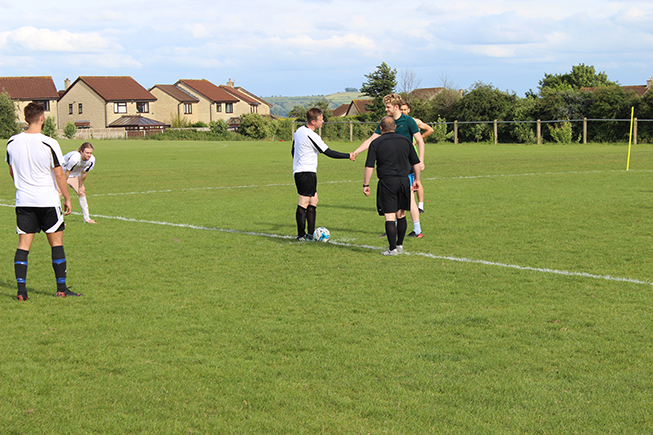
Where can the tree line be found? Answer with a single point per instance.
(558, 98)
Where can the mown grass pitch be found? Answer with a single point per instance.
(526, 308)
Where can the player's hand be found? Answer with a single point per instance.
(352, 156)
(67, 207)
(366, 191)
(416, 186)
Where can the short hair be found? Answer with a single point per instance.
(393, 99)
(313, 114)
(84, 146)
(388, 124)
(405, 103)
(33, 112)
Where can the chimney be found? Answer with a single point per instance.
(230, 83)
(66, 84)
(649, 83)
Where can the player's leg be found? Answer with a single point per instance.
(20, 264)
(300, 216)
(391, 231)
(26, 227)
(414, 215)
(420, 198)
(401, 230)
(81, 194)
(311, 212)
(54, 226)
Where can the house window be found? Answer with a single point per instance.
(229, 107)
(70, 109)
(218, 107)
(188, 108)
(80, 110)
(143, 107)
(253, 108)
(45, 104)
(119, 107)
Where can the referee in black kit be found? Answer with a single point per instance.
(394, 155)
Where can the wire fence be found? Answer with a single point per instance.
(526, 131)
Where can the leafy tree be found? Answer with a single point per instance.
(580, 76)
(379, 83)
(299, 112)
(255, 126)
(69, 130)
(50, 127)
(610, 102)
(484, 102)
(8, 118)
(219, 127)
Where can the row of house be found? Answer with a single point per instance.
(107, 102)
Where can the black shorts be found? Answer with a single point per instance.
(306, 183)
(392, 195)
(32, 220)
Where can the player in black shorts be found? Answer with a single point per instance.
(394, 155)
(35, 166)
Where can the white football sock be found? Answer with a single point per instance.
(84, 205)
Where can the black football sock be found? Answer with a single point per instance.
(401, 230)
(59, 266)
(310, 219)
(300, 215)
(20, 267)
(391, 231)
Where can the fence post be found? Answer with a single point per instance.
(496, 133)
(635, 132)
(539, 132)
(351, 131)
(584, 131)
(455, 132)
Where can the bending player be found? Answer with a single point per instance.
(77, 165)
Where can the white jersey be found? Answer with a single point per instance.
(32, 157)
(307, 145)
(73, 162)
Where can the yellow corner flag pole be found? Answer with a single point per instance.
(630, 138)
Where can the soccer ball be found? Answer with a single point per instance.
(321, 234)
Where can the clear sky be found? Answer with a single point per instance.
(314, 47)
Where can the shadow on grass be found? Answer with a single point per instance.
(12, 290)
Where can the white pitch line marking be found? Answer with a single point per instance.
(422, 254)
(250, 186)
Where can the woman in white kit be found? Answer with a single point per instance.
(77, 165)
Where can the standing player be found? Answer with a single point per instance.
(77, 165)
(405, 109)
(306, 146)
(407, 127)
(35, 166)
(394, 155)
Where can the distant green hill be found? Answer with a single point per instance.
(283, 105)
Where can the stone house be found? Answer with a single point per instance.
(98, 101)
(25, 90)
(174, 102)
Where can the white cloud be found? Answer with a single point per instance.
(34, 39)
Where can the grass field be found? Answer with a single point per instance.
(525, 309)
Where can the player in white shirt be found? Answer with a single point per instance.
(35, 166)
(306, 146)
(77, 165)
